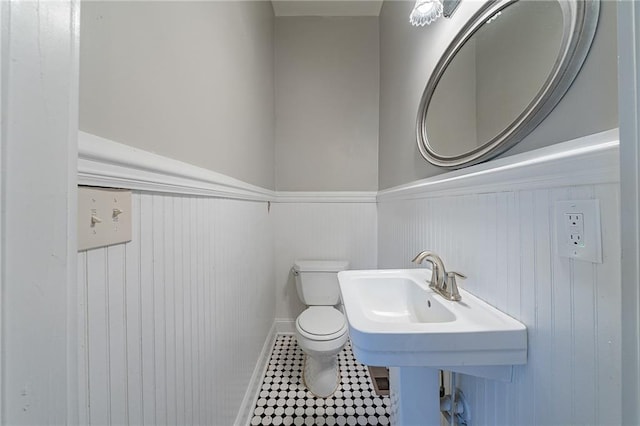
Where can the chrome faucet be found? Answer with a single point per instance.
(443, 282)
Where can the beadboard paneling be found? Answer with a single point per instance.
(176, 319)
(505, 243)
(325, 230)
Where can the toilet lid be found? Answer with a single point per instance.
(321, 320)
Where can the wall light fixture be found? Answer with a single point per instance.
(426, 11)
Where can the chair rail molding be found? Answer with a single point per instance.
(326, 197)
(582, 161)
(103, 162)
(587, 160)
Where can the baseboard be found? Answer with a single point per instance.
(285, 326)
(280, 326)
(251, 395)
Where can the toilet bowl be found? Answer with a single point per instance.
(321, 332)
(321, 329)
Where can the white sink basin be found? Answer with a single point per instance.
(396, 320)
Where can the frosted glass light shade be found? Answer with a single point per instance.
(425, 12)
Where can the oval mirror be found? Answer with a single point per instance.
(501, 76)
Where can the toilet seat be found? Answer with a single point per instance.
(321, 323)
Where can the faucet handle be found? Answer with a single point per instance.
(454, 274)
(454, 294)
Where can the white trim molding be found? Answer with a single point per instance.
(253, 388)
(103, 162)
(285, 325)
(629, 111)
(39, 63)
(587, 160)
(583, 161)
(326, 197)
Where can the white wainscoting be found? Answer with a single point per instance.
(177, 318)
(342, 229)
(504, 241)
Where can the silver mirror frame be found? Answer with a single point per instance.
(580, 19)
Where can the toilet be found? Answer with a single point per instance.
(321, 330)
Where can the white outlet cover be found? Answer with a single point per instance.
(591, 249)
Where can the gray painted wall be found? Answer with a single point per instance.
(409, 54)
(188, 80)
(327, 103)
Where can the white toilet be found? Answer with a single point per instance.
(321, 330)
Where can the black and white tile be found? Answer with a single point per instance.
(284, 400)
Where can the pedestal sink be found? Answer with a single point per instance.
(396, 320)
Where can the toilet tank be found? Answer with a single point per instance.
(317, 281)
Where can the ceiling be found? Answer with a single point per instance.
(326, 7)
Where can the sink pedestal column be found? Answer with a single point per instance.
(415, 396)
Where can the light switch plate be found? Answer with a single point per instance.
(578, 234)
(104, 217)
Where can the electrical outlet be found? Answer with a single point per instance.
(578, 230)
(575, 219)
(574, 223)
(576, 239)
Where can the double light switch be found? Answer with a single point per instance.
(104, 217)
